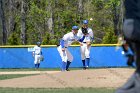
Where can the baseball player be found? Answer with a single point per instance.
(37, 54)
(67, 40)
(86, 43)
(131, 32)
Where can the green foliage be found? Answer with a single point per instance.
(109, 37)
(37, 13)
(99, 4)
(14, 39)
(35, 20)
(53, 42)
(64, 14)
(47, 40)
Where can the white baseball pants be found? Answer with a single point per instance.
(37, 59)
(85, 51)
(65, 55)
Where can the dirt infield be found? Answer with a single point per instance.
(109, 78)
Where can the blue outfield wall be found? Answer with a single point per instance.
(101, 56)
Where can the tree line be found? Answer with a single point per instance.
(25, 22)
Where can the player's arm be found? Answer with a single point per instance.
(81, 40)
(130, 6)
(62, 44)
(80, 36)
(88, 40)
(91, 35)
(41, 51)
(33, 53)
(63, 40)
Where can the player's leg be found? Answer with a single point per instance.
(70, 59)
(82, 49)
(38, 61)
(128, 87)
(67, 65)
(35, 61)
(64, 58)
(137, 75)
(137, 49)
(87, 54)
(133, 84)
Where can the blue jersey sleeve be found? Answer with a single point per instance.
(81, 40)
(62, 43)
(92, 38)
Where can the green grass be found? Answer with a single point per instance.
(11, 76)
(28, 69)
(55, 90)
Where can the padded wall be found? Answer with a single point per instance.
(103, 56)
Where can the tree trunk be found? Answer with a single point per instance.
(23, 23)
(4, 31)
(11, 17)
(50, 22)
(121, 17)
(115, 19)
(80, 9)
(80, 6)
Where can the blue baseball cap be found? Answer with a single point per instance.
(85, 21)
(38, 43)
(75, 28)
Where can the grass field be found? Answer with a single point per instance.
(62, 90)
(3, 77)
(29, 69)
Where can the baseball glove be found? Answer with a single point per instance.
(41, 58)
(84, 30)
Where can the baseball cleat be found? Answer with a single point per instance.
(84, 68)
(67, 70)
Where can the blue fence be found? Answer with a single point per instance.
(101, 56)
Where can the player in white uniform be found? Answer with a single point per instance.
(67, 40)
(86, 43)
(37, 54)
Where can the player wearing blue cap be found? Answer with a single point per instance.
(67, 40)
(85, 21)
(37, 54)
(86, 43)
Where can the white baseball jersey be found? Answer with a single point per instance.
(85, 50)
(37, 54)
(37, 50)
(90, 32)
(69, 38)
(66, 41)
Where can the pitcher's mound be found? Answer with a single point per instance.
(109, 77)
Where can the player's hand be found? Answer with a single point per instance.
(81, 44)
(63, 49)
(88, 44)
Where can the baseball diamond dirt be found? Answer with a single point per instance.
(96, 78)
